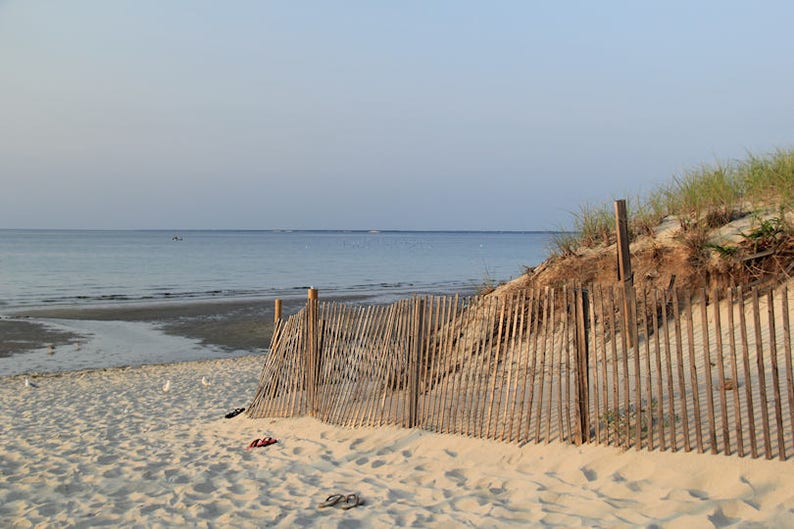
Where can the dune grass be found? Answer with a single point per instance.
(701, 199)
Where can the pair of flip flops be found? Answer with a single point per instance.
(346, 501)
(265, 441)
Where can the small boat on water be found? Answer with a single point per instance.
(176, 238)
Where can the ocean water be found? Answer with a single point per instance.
(68, 268)
(42, 269)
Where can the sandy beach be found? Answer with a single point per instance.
(112, 448)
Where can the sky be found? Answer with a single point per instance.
(418, 114)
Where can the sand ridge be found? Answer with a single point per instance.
(111, 448)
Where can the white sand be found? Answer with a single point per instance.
(110, 448)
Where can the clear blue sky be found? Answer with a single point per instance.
(372, 114)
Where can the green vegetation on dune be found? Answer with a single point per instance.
(701, 199)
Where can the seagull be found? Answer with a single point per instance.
(167, 386)
(30, 384)
(205, 382)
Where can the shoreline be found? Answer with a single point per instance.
(65, 338)
(228, 324)
(110, 447)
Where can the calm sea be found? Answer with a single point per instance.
(112, 268)
(48, 268)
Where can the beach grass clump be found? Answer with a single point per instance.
(564, 243)
(647, 213)
(701, 199)
(595, 225)
(706, 195)
(770, 179)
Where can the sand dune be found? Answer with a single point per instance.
(111, 448)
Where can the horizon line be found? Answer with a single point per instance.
(293, 230)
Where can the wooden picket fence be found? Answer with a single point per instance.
(694, 371)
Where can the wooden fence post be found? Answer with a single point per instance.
(625, 275)
(583, 363)
(414, 362)
(277, 311)
(311, 351)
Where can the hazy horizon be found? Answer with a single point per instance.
(314, 230)
(359, 115)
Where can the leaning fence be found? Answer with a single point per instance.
(705, 371)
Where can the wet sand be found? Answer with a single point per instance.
(232, 325)
(21, 336)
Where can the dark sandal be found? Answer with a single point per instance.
(332, 500)
(234, 413)
(352, 500)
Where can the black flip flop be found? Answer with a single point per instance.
(234, 413)
(332, 500)
(352, 500)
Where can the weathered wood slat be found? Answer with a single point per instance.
(737, 407)
(759, 357)
(669, 372)
(649, 418)
(704, 325)
(548, 314)
(682, 391)
(781, 445)
(536, 352)
(613, 337)
(658, 360)
(748, 381)
(517, 412)
(562, 365)
(693, 372)
(787, 352)
(726, 433)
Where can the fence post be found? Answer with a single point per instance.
(277, 311)
(625, 275)
(414, 362)
(583, 363)
(311, 350)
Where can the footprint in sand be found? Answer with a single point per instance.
(699, 494)
(589, 474)
(456, 476)
(218, 468)
(107, 460)
(635, 486)
(719, 519)
(204, 488)
(113, 472)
